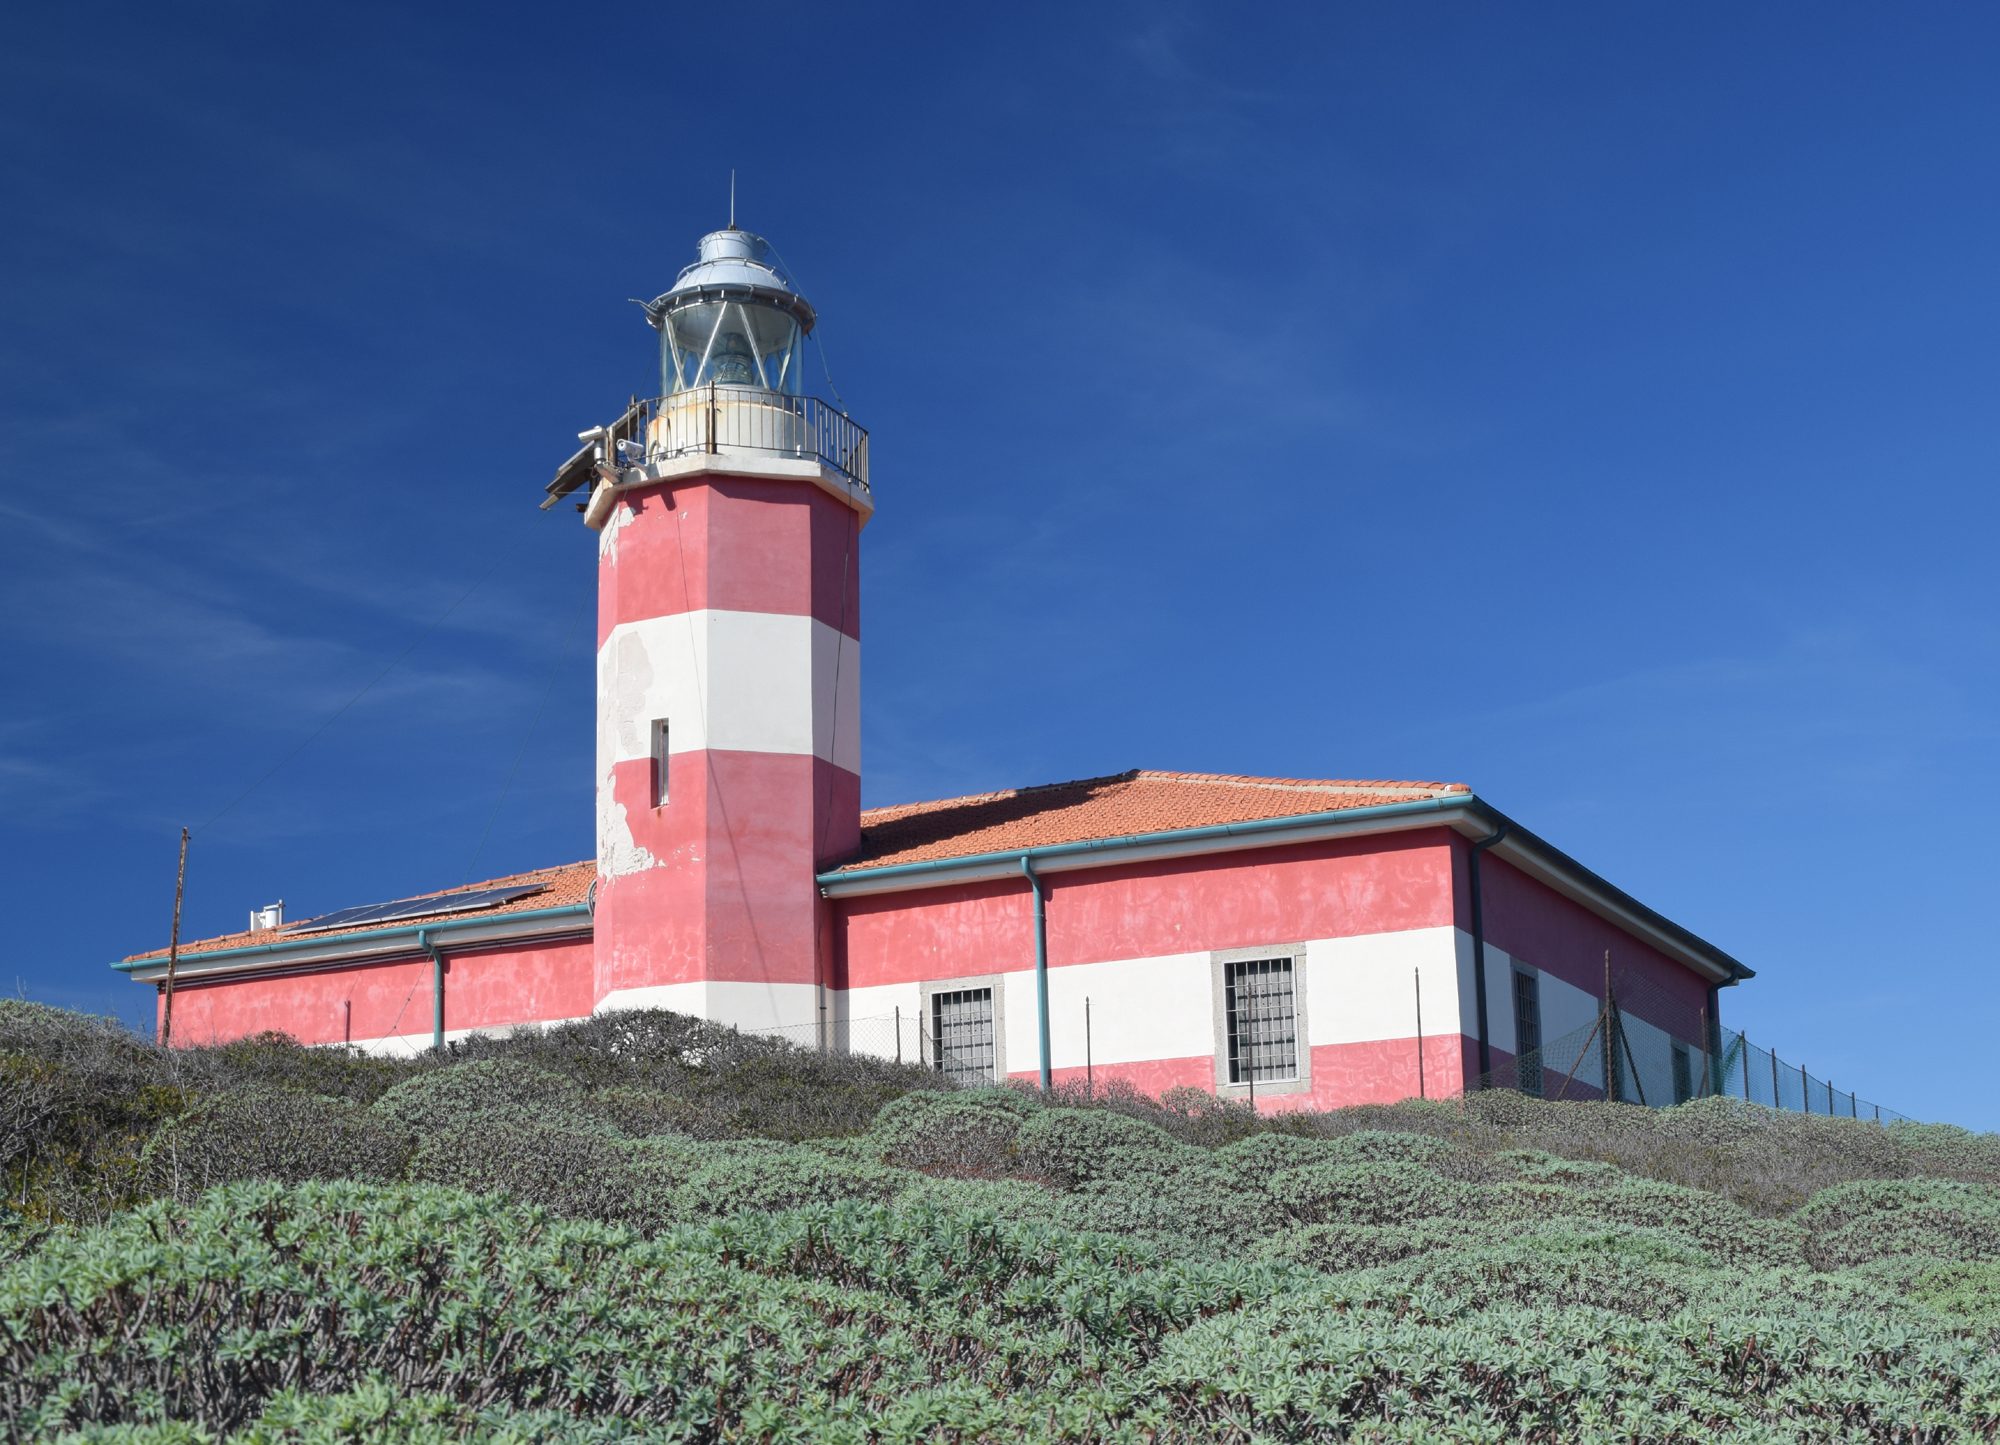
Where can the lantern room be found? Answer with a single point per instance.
(732, 319)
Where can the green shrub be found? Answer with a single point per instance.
(1350, 1366)
(1939, 1219)
(261, 1132)
(1192, 1211)
(964, 1135)
(492, 1091)
(1248, 1164)
(1369, 1194)
(1337, 1248)
(1073, 1147)
(791, 1179)
(575, 1173)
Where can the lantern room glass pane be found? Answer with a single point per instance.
(731, 343)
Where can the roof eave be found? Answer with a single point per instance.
(1464, 812)
(344, 947)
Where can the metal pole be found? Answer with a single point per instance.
(1247, 1045)
(1420, 1030)
(1479, 949)
(1805, 1089)
(1708, 1056)
(1041, 967)
(174, 946)
(1777, 1100)
(1611, 1079)
(899, 1033)
(1089, 1078)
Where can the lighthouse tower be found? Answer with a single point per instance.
(729, 511)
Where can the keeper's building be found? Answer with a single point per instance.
(1306, 942)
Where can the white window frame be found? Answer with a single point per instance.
(995, 981)
(1263, 1088)
(660, 757)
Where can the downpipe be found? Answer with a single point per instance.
(437, 988)
(1479, 954)
(1041, 969)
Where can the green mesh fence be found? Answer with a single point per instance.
(897, 1036)
(1649, 1046)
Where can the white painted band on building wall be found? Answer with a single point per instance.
(753, 682)
(749, 1006)
(1147, 1009)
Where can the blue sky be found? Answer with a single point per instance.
(1592, 404)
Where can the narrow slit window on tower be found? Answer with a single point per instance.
(1683, 1073)
(962, 1035)
(660, 763)
(1262, 1020)
(1528, 1032)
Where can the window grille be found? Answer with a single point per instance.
(1528, 1032)
(962, 1035)
(1263, 1020)
(1683, 1074)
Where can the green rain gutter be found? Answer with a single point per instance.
(277, 952)
(437, 988)
(1014, 856)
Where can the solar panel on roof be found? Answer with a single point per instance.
(419, 907)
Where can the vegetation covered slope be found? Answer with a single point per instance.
(642, 1227)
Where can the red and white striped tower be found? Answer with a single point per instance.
(729, 511)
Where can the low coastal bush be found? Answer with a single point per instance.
(643, 1227)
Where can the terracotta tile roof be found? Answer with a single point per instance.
(1113, 807)
(566, 884)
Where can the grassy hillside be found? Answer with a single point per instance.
(645, 1228)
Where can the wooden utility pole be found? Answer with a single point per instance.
(174, 947)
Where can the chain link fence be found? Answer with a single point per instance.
(1646, 1045)
(899, 1036)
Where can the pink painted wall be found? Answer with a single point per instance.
(743, 545)
(1532, 922)
(734, 896)
(1383, 1071)
(1333, 889)
(487, 987)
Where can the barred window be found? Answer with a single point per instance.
(962, 1035)
(1683, 1074)
(1263, 1020)
(1528, 1032)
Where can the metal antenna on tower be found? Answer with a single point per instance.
(732, 200)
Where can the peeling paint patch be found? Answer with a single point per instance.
(607, 540)
(624, 672)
